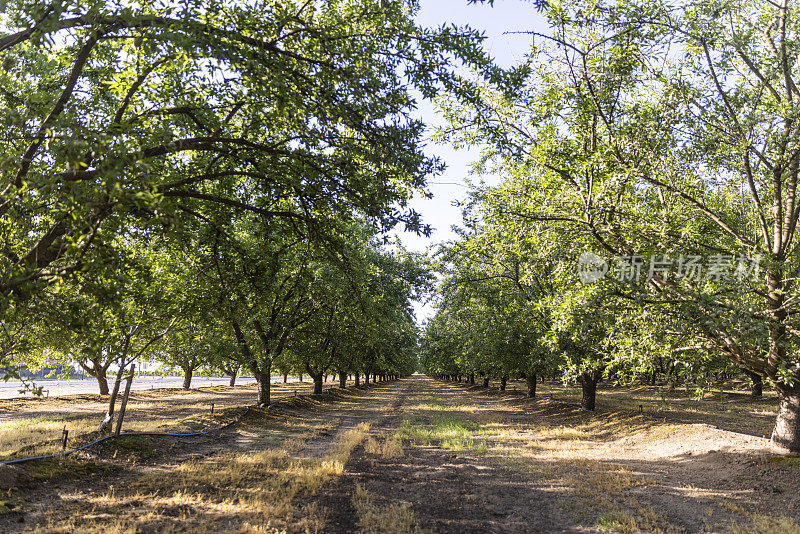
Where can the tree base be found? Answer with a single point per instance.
(786, 435)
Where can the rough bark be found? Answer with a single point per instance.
(531, 378)
(588, 382)
(342, 379)
(472, 379)
(261, 378)
(285, 378)
(317, 383)
(233, 380)
(757, 389)
(357, 379)
(187, 377)
(98, 371)
(102, 381)
(786, 434)
(264, 384)
(486, 381)
(503, 382)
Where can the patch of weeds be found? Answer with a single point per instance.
(732, 506)
(635, 520)
(790, 460)
(66, 467)
(6, 507)
(32, 421)
(562, 433)
(372, 446)
(611, 483)
(130, 446)
(448, 432)
(617, 521)
(763, 524)
(392, 447)
(390, 519)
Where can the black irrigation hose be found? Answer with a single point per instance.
(95, 442)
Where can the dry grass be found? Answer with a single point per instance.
(372, 445)
(392, 447)
(232, 491)
(41, 435)
(33, 426)
(728, 407)
(390, 519)
(768, 525)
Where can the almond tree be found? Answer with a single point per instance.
(664, 128)
(152, 115)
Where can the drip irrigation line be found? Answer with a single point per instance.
(123, 434)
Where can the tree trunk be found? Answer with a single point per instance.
(758, 383)
(366, 378)
(187, 377)
(503, 382)
(588, 383)
(531, 378)
(317, 383)
(342, 379)
(232, 371)
(285, 377)
(472, 379)
(786, 434)
(357, 378)
(264, 384)
(102, 381)
(300, 378)
(486, 381)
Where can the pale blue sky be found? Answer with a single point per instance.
(505, 16)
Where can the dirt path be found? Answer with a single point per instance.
(472, 462)
(449, 489)
(422, 455)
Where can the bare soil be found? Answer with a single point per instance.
(423, 455)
